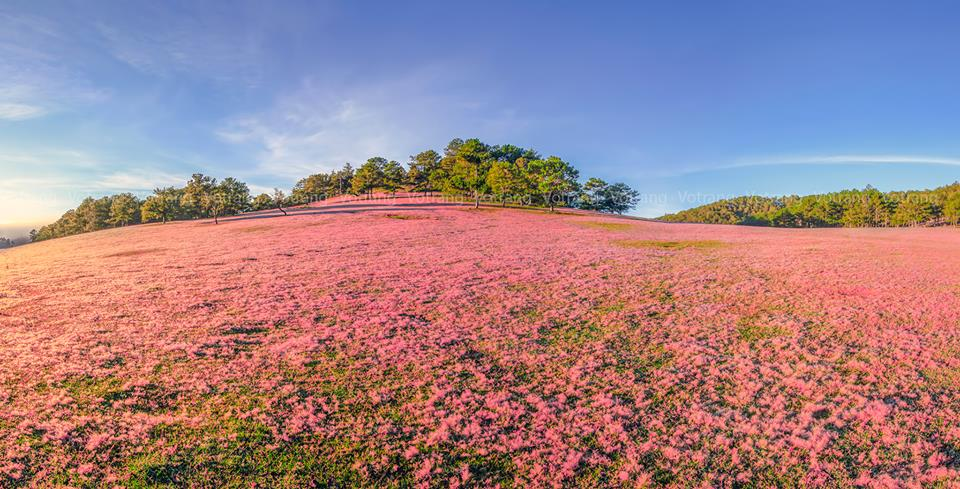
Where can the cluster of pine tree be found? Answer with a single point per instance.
(93, 214)
(202, 196)
(506, 173)
(850, 208)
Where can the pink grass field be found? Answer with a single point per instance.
(429, 344)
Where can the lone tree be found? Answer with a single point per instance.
(195, 194)
(499, 179)
(124, 209)
(471, 162)
(214, 202)
(554, 178)
(262, 202)
(509, 179)
(394, 176)
(235, 195)
(278, 198)
(163, 205)
(598, 195)
(369, 176)
(422, 166)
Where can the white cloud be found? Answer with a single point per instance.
(855, 159)
(39, 185)
(35, 74)
(139, 181)
(259, 189)
(838, 159)
(186, 45)
(19, 112)
(36, 160)
(321, 125)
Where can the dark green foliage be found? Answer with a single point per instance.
(469, 165)
(124, 209)
(163, 205)
(741, 210)
(598, 195)
(92, 215)
(555, 179)
(466, 168)
(261, 202)
(322, 186)
(422, 166)
(369, 176)
(394, 176)
(194, 193)
(849, 208)
(202, 196)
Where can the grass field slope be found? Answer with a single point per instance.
(421, 343)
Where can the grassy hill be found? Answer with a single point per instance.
(417, 342)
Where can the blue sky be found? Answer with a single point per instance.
(685, 101)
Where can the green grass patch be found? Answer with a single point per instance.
(610, 307)
(639, 357)
(752, 331)
(668, 245)
(942, 377)
(241, 453)
(482, 208)
(87, 387)
(489, 470)
(569, 333)
(607, 226)
(403, 217)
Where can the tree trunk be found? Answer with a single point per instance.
(476, 195)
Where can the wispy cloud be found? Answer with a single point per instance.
(125, 181)
(38, 185)
(19, 112)
(853, 159)
(837, 159)
(323, 125)
(35, 160)
(186, 46)
(35, 77)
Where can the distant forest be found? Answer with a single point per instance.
(850, 208)
(505, 174)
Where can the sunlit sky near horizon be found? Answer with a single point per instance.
(685, 101)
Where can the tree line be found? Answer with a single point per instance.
(868, 207)
(202, 196)
(505, 173)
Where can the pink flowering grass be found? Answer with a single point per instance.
(347, 345)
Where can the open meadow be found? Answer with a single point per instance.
(418, 343)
